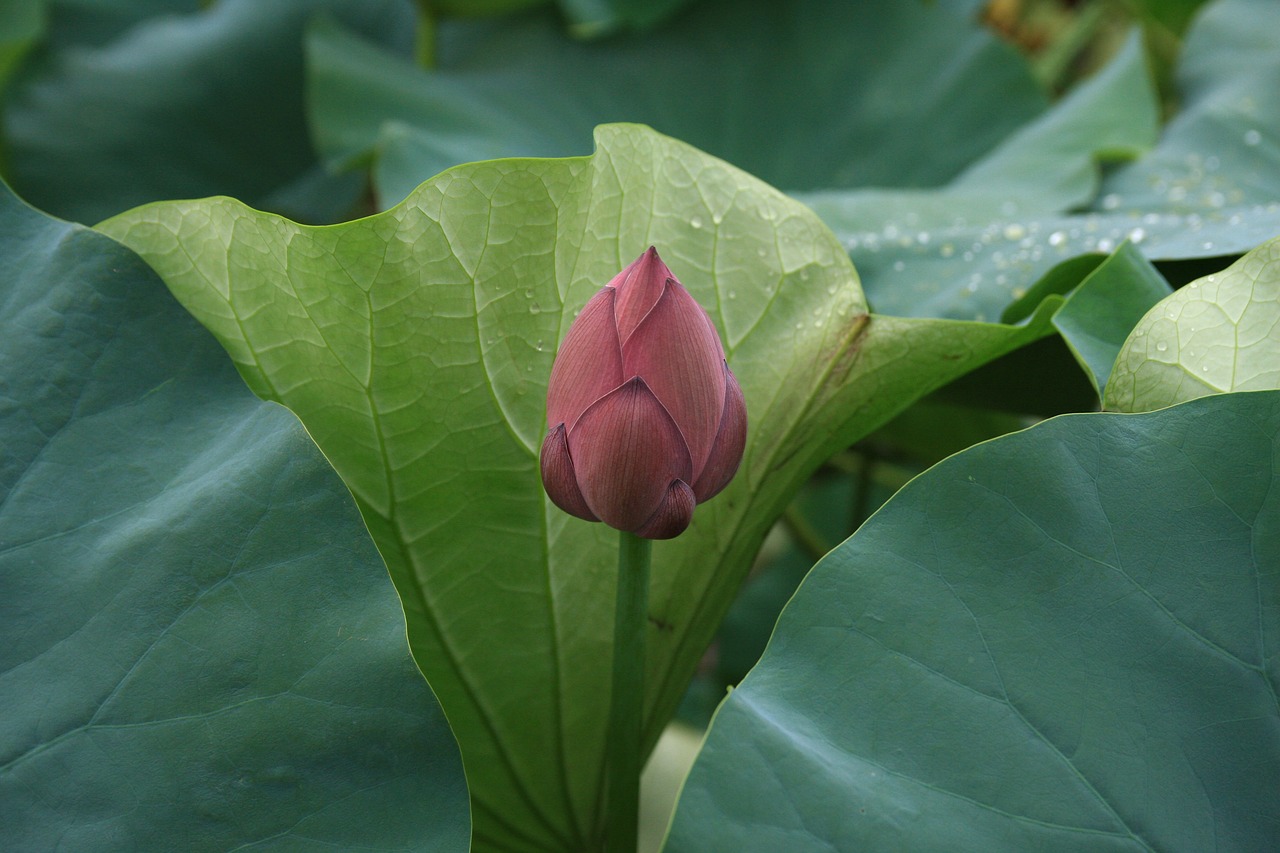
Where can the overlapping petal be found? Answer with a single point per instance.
(639, 287)
(626, 451)
(678, 353)
(673, 514)
(730, 442)
(559, 477)
(589, 363)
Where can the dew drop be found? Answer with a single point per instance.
(1014, 231)
(1106, 244)
(1137, 235)
(1110, 201)
(695, 222)
(1161, 346)
(1057, 238)
(947, 250)
(538, 346)
(1252, 137)
(716, 219)
(535, 308)
(733, 294)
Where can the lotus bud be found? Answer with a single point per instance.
(646, 419)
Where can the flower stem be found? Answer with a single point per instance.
(626, 704)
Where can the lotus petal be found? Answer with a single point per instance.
(639, 288)
(626, 450)
(588, 364)
(673, 514)
(677, 352)
(731, 440)
(558, 476)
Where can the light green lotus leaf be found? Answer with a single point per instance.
(415, 346)
(1219, 333)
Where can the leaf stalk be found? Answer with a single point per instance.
(623, 759)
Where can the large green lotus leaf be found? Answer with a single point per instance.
(714, 77)
(1221, 151)
(1049, 165)
(1060, 640)
(415, 346)
(1208, 188)
(199, 646)
(113, 111)
(1219, 333)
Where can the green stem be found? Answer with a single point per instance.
(626, 703)
(424, 46)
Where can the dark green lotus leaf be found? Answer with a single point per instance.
(1048, 166)
(415, 346)
(115, 109)
(1059, 640)
(1210, 187)
(1221, 153)
(835, 118)
(199, 646)
(1098, 317)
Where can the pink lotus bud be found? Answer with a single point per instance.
(646, 419)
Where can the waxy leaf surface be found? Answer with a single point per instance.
(1065, 639)
(521, 86)
(415, 346)
(199, 647)
(1209, 186)
(1219, 333)
(125, 103)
